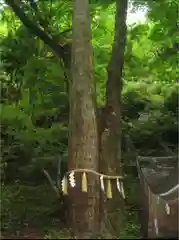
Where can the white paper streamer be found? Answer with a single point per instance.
(72, 179)
(167, 208)
(156, 226)
(102, 183)
(158, 199)
(118, 185)
(63, 184)
(122, 190)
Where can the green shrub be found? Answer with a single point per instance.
(151, 117)
(27, 149)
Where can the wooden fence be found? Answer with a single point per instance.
(159, 196)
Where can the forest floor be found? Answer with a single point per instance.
(33, 212)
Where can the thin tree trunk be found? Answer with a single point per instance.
(110, 161)
(83, 139)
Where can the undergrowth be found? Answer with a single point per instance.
(33, 207)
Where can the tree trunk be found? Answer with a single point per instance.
(110, 161)
(83, 138)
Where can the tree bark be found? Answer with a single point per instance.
(83, 138)
(110, 161)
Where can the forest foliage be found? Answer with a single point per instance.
(34, 97)
(34, 90)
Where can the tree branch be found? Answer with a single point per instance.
(47, 39)
(168, 52)
(52, 183)
(115, 66)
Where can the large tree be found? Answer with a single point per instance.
(83, 138)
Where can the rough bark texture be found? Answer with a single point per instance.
(83, 139)
(111, 137)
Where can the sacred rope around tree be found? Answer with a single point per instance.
(69, 179)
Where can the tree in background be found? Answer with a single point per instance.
(110, 137)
